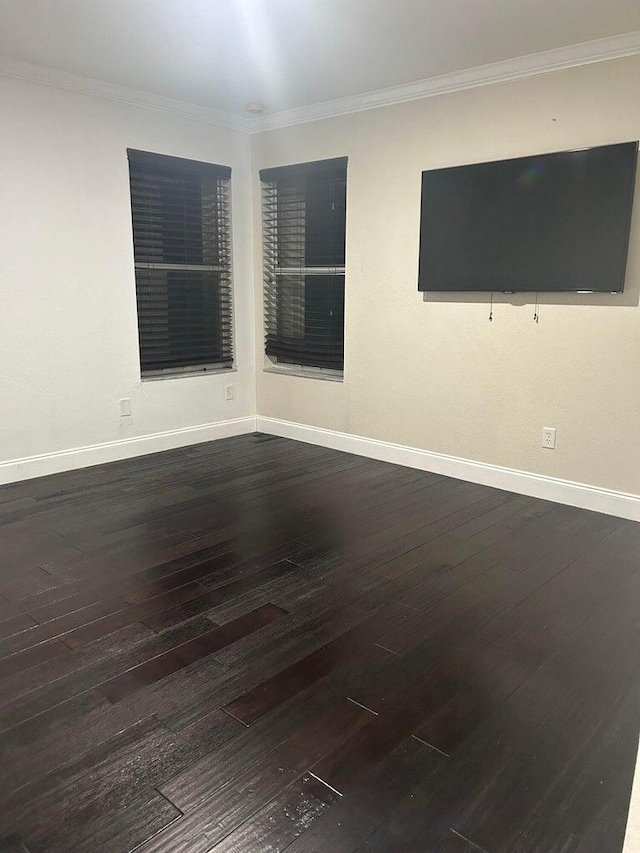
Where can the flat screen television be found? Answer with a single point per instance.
(550, 223)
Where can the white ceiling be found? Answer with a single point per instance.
(223, 54)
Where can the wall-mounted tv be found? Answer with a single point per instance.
(550, 223)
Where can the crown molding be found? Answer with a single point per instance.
(545, 62)
(133, 97)
(531, 65)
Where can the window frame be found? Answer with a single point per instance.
(273, 269)
(214, 186)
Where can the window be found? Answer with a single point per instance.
(181, 240)
(304, 218)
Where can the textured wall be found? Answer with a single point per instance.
(429, 373)
(434, 373)
(68, 328)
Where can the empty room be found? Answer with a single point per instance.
(319, 426)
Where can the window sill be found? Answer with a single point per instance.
(187, 374)
(307, 372)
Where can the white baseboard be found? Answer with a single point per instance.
(534, 485)
(112, 451)
(581, 495)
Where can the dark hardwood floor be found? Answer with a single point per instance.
(261, 645)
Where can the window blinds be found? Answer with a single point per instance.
(304, 219)
(182, 252)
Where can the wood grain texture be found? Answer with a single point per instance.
(258, 644)
(187, 653)
(13, 844)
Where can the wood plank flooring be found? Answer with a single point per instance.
(261, 645)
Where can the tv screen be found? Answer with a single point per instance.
(554, 222)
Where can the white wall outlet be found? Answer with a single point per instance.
(549, 437)
(125, 408)
(228, 392)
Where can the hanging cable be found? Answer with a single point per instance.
(491, 308)
(536, 316)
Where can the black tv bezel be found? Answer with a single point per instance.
(422, 289)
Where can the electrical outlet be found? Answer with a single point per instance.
(228, 392)
(548, 437)
(125, 408)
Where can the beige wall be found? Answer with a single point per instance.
(68, 323)
(434, 373)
